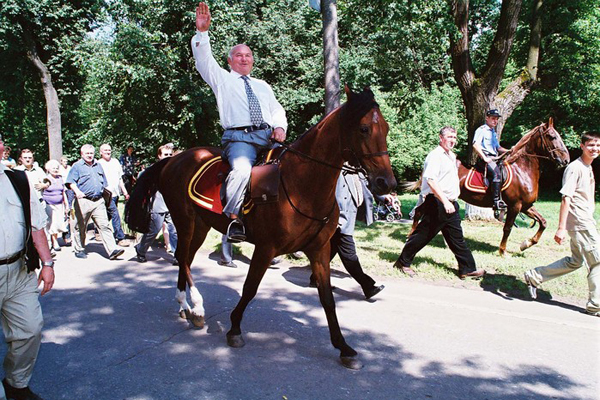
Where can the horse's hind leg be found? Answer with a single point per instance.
(193, 236)
(258, 266)
(535, 215)
(321, 270)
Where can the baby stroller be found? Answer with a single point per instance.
(384, 211)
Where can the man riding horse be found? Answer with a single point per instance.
(486, 145)
(249, 113)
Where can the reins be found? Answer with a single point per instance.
(344, 168)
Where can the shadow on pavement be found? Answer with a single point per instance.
(121, 338)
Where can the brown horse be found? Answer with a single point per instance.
(304, 218)
(542, 141)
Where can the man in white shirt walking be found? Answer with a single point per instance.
(114, 177)
(440, 189)
(249, 112)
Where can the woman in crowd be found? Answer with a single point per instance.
(55, 199)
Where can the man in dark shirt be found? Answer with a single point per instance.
(128, 162)
(88, 181)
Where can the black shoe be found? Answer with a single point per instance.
(139, 257)
(229, 264)
(500, 205)
(13, 393)
(175, 262)
(115, 254)
(478, 273)
(236, 232)
(373, 291)
(80, 254)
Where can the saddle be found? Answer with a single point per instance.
(205, 186)
(478, 183)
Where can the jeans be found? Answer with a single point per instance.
(115, 219)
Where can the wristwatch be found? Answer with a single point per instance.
(48, 264)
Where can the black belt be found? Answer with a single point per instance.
(252, 128)
(96, 198)
(12, 259)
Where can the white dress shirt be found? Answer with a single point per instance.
(12, 220)
(114, 173)
(440, 166)
(230, 91)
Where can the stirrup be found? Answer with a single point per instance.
(236, 232)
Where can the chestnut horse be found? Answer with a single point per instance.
(304, 218)
(542, 141)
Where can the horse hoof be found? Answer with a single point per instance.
(196, 320)
(235, 341)
(351, 363)
(525, 245)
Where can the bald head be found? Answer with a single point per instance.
(240, 59)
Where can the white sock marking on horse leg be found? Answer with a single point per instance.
(181, 299)
(197, 301)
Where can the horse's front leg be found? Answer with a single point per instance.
(508, 224)
(534, 214)
(258, 266)
(194, 314)
(319, 261)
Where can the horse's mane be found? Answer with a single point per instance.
(519, 149)
(351, 111)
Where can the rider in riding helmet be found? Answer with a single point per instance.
(485, 143)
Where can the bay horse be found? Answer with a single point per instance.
(542, 142)
(303, 219)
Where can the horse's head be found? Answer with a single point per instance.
(364, 134)
(553, 145)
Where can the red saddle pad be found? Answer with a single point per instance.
(474, 180)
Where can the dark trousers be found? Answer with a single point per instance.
(115, 218)
(436, 219)
(343, 245)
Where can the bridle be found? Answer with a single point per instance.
(545, 146)
(358, 157)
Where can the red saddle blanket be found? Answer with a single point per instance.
(205, 186)
(474, 180)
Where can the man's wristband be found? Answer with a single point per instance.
(48, 264)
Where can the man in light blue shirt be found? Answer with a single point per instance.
(486, 144)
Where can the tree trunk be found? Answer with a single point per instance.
(480, 92)
(330, 55)
(52, 103)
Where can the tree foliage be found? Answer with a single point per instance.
(125, 73)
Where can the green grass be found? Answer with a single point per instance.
(379, 245)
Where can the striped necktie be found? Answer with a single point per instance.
(253, 104)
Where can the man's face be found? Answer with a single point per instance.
(591, 148)
(129, 150)
(87, 154)
(27, 159)
(448, 140)
(241, 60)
(165, 153)
(63, 162)
(491, 121)
(105, 152)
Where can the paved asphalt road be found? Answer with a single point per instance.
(112, 332)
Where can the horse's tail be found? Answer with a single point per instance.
(410, 186)
(139, 205)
